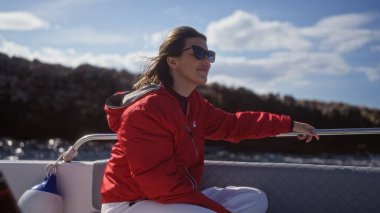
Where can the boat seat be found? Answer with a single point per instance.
(290, 187)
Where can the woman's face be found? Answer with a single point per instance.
(189, 71)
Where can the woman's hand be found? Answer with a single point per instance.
(306, 131)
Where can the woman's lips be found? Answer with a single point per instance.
(203, 69)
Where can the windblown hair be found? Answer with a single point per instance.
(156, 69)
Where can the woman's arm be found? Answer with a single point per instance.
(220, 125)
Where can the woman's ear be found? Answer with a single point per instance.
(172, 62)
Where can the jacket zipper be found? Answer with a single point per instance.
(191, 133)
(189, 176)
(191, 179)
(193, 141)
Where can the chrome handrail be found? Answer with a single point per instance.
(73, 150)
(93, 137)
(346, 131)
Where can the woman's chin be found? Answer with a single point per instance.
(202, 81)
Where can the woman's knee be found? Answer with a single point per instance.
(262, 204)
(156, 207)
(252, 199)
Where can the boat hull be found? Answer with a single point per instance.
(289, 187)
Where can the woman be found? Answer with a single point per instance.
(157, 163)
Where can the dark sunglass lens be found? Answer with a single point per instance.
(199, 52)
(211, 56)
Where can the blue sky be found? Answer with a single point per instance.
(326, 50)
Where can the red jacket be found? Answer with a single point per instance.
(159, 154)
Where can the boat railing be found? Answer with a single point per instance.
(73, 150)
(346, 131)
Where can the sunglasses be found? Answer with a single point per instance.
(200, 53)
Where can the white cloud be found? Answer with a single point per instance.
(297, 56)
(87, 36)
(343, 33)
(372, 73)
(345, 21)
(21, 21)
(292, 69)
(306, 63)
(59, 9)
(70, 57)
(245, 31)
(155, 39)
(227, 80)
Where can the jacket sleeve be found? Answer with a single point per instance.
(234, 127)
(150, 149)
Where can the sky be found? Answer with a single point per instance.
(326, 50)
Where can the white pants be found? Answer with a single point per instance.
(235, 199)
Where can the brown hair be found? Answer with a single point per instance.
(156, 70)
